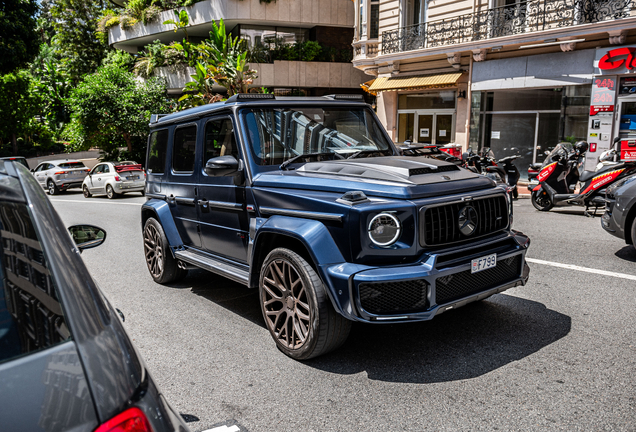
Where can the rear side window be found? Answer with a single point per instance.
(72, 165)
(183, 149)
(219, 139)
(31, 317)
(157, 152)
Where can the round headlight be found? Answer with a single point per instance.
(384, 229)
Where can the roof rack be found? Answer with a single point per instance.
(346, 96)
(154, 118)
(250, 96)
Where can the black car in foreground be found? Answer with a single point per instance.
(66, 362)
(620, 210)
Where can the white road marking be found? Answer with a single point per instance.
(224, 428)
(95, 201)
(583, 269)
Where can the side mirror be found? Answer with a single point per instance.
(222, 166)
(87, 236)
(617, 139)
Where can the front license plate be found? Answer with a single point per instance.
(483, 263)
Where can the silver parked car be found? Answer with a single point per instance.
(59, 175)
(114, 178)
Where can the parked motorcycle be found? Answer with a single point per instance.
(502, 171)
(561, 173)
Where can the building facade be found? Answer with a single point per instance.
(515, 76)
(264, 26)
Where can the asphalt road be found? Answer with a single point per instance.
(557, 354)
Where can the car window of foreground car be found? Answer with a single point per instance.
(31, 317)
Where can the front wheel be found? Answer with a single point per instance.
(634, 233)
(541, 200)
(86, 192)
(296, 308)
(163, 267)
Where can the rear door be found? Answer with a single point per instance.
(181, 187)
(222, 212)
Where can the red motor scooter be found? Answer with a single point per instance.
(561, 172)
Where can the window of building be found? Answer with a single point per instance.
(429, 100)
(374, 19)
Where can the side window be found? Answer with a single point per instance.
(219, 139)
(183, 149)
(39, 168)
(106, 169)
(98, 169)
(157, 153)
(31, 316)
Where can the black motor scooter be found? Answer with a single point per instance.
(502, 171)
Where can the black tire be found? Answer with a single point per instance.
(541, 200)
(52, 188)
(86, 192)
(634, 233)
(161, 264)
(290, 289)
(110, 192)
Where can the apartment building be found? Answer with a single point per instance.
(515, 76)
(264, 24)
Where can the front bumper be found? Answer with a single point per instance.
(438, 282)
(608, 221)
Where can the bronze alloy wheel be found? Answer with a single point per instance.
(163, 267)
(286, 305)
(296, 307)
(153, 250)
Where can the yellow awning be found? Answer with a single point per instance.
(365, 86)
(412, 82)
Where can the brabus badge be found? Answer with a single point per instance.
(467, 220)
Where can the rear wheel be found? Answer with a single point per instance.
(634, 233)
(161, 264)
(296, 308)
(541, 200)
(86, 192)
(110, 192)
(52, 188)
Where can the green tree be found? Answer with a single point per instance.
(112, 108)
(19, 106)
(19, 41)
(77, 44)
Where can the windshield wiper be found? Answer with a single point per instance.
(359, 152)
(288, 162)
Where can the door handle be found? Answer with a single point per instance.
(205, 205)
(171, 199)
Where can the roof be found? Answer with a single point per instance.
(413, 82)
(273, 101)
(58, 161)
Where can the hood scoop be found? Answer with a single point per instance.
(391, 169)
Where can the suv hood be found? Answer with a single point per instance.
(393, 176)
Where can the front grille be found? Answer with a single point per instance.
(455, 286)
(394, 297)
(439, 169)
(439, 225)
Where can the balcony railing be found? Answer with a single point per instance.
(523, 17)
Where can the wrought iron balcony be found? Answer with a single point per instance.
(523, 17)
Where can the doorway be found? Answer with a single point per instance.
(427, 127)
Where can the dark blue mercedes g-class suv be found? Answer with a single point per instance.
(308, 200)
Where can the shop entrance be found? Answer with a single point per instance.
(427, 127)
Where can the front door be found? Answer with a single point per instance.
(221, 202)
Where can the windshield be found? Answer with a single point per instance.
(279, 134)
(562, 150)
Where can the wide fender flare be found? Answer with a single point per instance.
(162, 213)
(313, 234)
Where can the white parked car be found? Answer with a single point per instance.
(114, 178)
(59, 175)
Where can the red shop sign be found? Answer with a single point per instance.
(619, 57)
